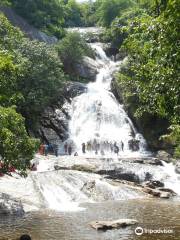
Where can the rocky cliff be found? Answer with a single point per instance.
(53, 124)
(29, 30)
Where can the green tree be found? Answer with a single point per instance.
(31, 73)
(42, 79)
(16, 147)
(73, 14)
(152, 72)
(72, 49)
(8, 80)
(43, 14)
(109, 10)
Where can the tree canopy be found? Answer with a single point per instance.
(151, 40)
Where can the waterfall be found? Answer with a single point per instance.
(98, 119)
(173, 179)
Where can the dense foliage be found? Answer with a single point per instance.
(71, 50)
(151, 75)
(31, 78)
(107, 10)
(16, 147)
(53, 16)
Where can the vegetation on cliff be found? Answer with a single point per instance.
(32, 76)
(150, 80)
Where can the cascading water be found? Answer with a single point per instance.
(173, 179)
(98, 120)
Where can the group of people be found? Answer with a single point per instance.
(91, 146)
(9, 169)
(102, 147)
(45, 149)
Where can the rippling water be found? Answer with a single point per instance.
(49, 225)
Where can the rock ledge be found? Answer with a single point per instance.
(107, 225)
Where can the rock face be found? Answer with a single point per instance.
(87, 69)
(157, 189)
(120, 174)
(177, 169)
(10, 206)
(154, 184)
(158, 193)
(77, 167)
(29, 30)
(107, 225)
(150, 126)
(114, 52)
(53, 124)
(163, 155)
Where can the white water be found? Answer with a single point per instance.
(97, 116)
(173, 179)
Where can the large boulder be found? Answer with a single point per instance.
(107, 225)
(160, 192)
(87, 69)
(154, 184)
(177, 169)
(120, 174)
(163, 155)
(10, 206)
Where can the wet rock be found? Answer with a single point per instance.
(89, 186)
(73, 89)
(177, 168)
(53, 124)
(107, 225)
(163, 155)
(56, 167)
(153, 161)
(165, 195)
(160, 193)
(88, 69)
(84, 168)
(119, 174)
(154, 184)
(162, 189)
(10, 206)
(77, 167)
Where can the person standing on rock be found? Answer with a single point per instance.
(111, 147)
(46, 149)
(89, 146)
(66, 148)
(69, 149)
(84, 148)
(55, 148)
(122, 146)
(116, 148)
(41, 149)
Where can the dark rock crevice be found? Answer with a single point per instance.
(53, 123)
